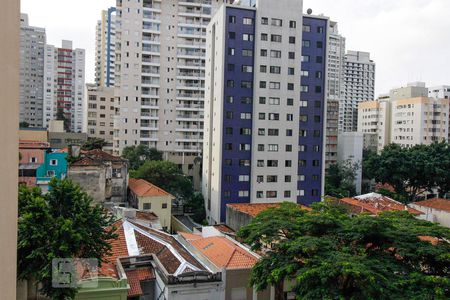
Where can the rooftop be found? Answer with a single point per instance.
(436, 203)
(253, 209)
(96, 157)
(24, 144)
(143, 188)
(375, 203)
(135, 276)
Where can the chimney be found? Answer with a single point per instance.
(74, 150)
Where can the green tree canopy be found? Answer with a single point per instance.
(94, 143)
(166, 175)
(327, 254)
(60, 224)
(411, 171)
(137, 155)
(61, 116)
(340, 179)
(24, 125)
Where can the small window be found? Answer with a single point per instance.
(263, 68)
(264, 21)
(247, 53)
(292, 24)
(319, 44)
(53, 162)
(229, 130)
(271, 194)
(275, 38)
(277, 22)
(50, 173)
(230, 51)
(247, 21)
(287, 194)
(232, 19)
(263, 52)
(147, 206)
(292, 40)
(232, 35)
(306, 28)
(247, 37)
(291, 55)
(306, 43)
(264, 37)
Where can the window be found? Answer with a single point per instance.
(303, 103)
(275, 38)
(287, 193)
(230, 67)
(274, 85)
(304, 73)
(247, 69)
(319, 74)
(305, 58)
(244, 178)
(290, 101)
(315, 163)
(229, 115)
(262, 116)
(274, 116)
(263, 68)
(288, 163)
(227, 178)
(317, 119)
(272, 178)
(274, 101)
(302, 162)
(275, 69)
(314, 192)
(244, 147)
(261, 131)
(147, 206)
(319, 59)
(264, 37)
(318, 89)
(231, 35)
(272, 163)
(290, 86)
(304, 88)
(228, 162)
(247, 52)
(292, 40)
(291, 55)
(319, 44)
(245, 131)
(316, 133)
(302, 132)
(301, 177)
(291, 71)
(306, 28)
(53, 162)
(244, 162)
(292, 24)
(230, 51)
(289, 117)
(301, 192)
(287, 178)
(272, 132)
(259, 194)
(271, 194)
(288, 132)
(246, 100)
(247, 37)
(262, 84)
(227, 194)
(276, 22)
(230, 99)
(272, 148)
(288, 148)
(230, 83)
(259, 178)
(275, 54)
(260, 147)
(50, 173)
(247, 21)
(302, 148)
(316, 148)
(262, 100)
(263, 52)
(246, 84)
(164, 205)
(319, 29)
(229, 130)
(315, 177)
(231, 19)
(229, 146)
(243, 193)
(264, 21)
(260, 163)
(246, 116)
(306, 43)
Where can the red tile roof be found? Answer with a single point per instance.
(102, 155)
(25, 144)
(436, 203)
(135, 277)
(221, 251)
(224, 229)
(253, 209)
(143, 188)
(86, 161)
(375, 203)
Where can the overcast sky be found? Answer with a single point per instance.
(408, 39)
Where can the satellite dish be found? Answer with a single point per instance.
(309, 11)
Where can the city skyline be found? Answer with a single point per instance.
(378, 18)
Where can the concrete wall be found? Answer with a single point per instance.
(237, 281)
(64, 139)
(164, 214)
(236, 219)
(9, 116)
(433, 215)
(92, 179)
(33, 135)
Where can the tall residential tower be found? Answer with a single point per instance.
(105, 46)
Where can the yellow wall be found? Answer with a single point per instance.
(156, 207)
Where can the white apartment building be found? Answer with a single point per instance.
(359, 85)
(406, 117)
(64, 71)
(32, 44)
(100, 113)
(439, 92)
(159, 76)
(335, 89)
(105, 44)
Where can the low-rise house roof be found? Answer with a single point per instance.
(143, 188)
(436, 203)
(374, 203)
(25, 144)
(253, 209)
(96, 157)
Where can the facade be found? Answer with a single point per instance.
(264, 106)
(439, 92)
(407, 117)
(145, 196)
(62, 140)
(100, 113)
(434, 210)
(32, 45)
(359, 85)
(64, 86)
(335, 89)
(105, 41)
(350, 151)
(159, 76)
(9, 116)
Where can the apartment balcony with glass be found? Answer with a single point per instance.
(149, 124)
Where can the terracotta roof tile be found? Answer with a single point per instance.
(144, 188)
(253, 209)
(224, 229)
(86, 161)
(25, 144)
(436, 203)
(135, 277)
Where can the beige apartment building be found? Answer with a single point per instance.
(406, 117)
(100, 113)
(9, 114)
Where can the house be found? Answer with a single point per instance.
(434, 210)
(146, 196)
(241, 214)
(103, 176)
(232, 258)
(55, 165)
(153, 265)
(373, 203)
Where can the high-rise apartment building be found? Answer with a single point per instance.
(159, 76)
(264, 106)
(32, 44)
(100, 113)
(359, 85)
(335, 90)
(406, 117)
(64, 86)
(105, 44)
(439, 92)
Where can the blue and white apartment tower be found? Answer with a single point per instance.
(264, 106)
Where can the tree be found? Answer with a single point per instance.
(197, 204)
(60, 224)
(167, 176)
(327, 254)
(340, 179)
(24, 125)
(412, 171)
(61, 116)
(94, 143)
(137, 155)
